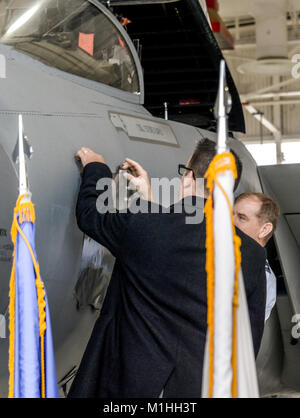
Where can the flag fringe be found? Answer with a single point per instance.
(26, 213)
(220, 164)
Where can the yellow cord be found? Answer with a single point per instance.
(220, 164)
(26, 214)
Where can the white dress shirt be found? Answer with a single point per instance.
(271, 290)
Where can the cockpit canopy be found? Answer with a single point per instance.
(74, 36)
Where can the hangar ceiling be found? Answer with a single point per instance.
(264, 65)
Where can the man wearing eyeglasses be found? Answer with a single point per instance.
(150, 337)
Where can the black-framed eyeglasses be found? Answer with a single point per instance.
(182, 170)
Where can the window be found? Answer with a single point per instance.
(291, 152)
(264, 154)
(71, 35)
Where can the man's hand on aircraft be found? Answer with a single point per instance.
(139, 178)
(86, 156)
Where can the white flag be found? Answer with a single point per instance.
(229, 363)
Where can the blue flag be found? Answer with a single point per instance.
(31, 357)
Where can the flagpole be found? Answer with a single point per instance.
(23, 181)
(229, 362)
(224, 257)
(221, 111)
(32, 372)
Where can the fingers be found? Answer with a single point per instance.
(141, 184)
(82, 152)
(134, 167)
(86, 155)
(79, 155)
(129, 177)
(138, 182)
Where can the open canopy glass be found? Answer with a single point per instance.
(74, 36)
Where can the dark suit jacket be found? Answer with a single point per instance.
(152, 327)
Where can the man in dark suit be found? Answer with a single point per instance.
(151, 332)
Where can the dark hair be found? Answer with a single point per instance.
(204, 154)
(269, 210)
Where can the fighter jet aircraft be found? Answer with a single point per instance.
(74, 72)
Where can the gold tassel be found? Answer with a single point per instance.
(26, 213)
(220, 164)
